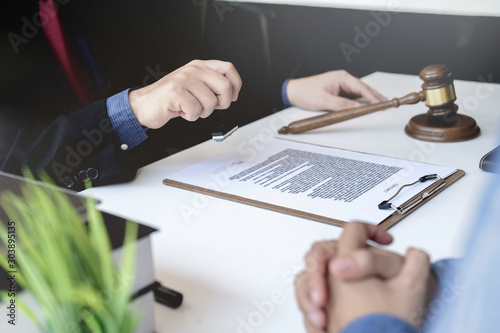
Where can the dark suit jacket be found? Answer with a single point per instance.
(40, 127)
(72, 150)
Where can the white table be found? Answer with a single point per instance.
(232, 261)
(447, 7)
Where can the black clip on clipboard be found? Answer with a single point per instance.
(403, 210)
(417, 198)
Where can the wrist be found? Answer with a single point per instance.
(135, 97)
(293, 90)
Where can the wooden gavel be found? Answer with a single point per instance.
(339, 116)
(441, 123)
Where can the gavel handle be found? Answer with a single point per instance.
(339, 116)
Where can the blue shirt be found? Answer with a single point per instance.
(129, 131)
(469, 289)
(284, 95)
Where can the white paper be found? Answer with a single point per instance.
(325, 181)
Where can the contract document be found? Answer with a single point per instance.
(295, 178)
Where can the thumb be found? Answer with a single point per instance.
(366, 262)
(416, 269)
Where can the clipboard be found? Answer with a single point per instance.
(385, 224)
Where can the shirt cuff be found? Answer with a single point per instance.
(382, 323)
(284, 96)
(128, 130)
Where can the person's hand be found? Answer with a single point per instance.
(330, 91)
(311, 285)
(191, 92)
(403, 292)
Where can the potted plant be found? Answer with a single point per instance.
(66, 264)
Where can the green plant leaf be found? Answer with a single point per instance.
(68, 267)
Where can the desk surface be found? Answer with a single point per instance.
(235, 264)
(447, 7)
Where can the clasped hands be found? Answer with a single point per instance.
(347, 279)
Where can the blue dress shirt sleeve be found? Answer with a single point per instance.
(128, 130)
(376, 323)
(470, 301)
(379, 323)
(284, 96)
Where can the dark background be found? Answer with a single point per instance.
(135, 42)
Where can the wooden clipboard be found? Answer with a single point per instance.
(386, 224)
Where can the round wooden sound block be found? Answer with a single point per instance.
(462, 128)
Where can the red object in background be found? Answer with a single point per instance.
(59, 43)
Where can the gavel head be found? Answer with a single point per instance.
(441, 123)
(439, 91)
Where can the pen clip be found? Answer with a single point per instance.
(220, 136)
(223, 131)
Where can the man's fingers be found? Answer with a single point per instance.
(380, 97)
(356, 234)
(302, 292)
(367, 262)
(206, 98)
(416, 269)
(220, 86)
(311, 328)
(196, 73)
(229, 71)
(187, 106)
(314, 316)
(384, 264)
(207, 82)
(311, 285)
(316, 267)
(355, 86)
(337, 103)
